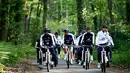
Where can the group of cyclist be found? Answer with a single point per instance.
(86, 37)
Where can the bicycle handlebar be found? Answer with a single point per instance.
(47, 47)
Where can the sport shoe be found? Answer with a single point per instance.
(98, 65)
(91, 58)
(84, 63)
(65, 57)
(80, 62)
(58, 56)
(71, 61)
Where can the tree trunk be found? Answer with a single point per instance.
(81, 23)
(128, 11)
(45, 13)
(110, 11)
(101, 12)
(3, 20)
(94, 18)
(59, 11)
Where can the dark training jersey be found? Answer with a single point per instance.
(88, 38)
(47, 40)
(68, 39)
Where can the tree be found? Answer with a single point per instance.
(4, 19)
(110, 11)
(45, 13)
(81, 22)
(128, 11)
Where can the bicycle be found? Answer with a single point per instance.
(103, 59)
(87, 56)
(68, 54)
(41, 55)
(47, 55)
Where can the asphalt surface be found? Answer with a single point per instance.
(62, 68)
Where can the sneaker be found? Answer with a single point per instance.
(71, 62)
(80, 62)
(65, 57)
(84, 63)
(58, 56)
(91, 58)
(106, 59)
(44, 63)
(98, 65)
(52, 63)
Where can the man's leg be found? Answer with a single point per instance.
(107, 54)
(85, 49)
(65, 52)
(79, 53)
(71, 55)
(59, 49)
(54, 58)
(91, 53)
(99, 56)
(37, 55)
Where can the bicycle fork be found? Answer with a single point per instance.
(41, 55)
(87, 55)
(103, 53)
(48, 56)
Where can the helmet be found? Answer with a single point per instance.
(56, 33)
(88, 28)
(104, 26)
(46, 30)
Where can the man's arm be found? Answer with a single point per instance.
(93, 38)
(41, 41)
(82, 38)
(97, 38)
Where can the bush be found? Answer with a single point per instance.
(15, 53)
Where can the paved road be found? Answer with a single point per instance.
(62, 68)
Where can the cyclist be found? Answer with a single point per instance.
(37, 46)
(57, 35)
(79, 50)
(68, 39)
(88, 39)
(47, 39)
(102, 38)
(110, 45)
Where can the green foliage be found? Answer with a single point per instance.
(11, 54)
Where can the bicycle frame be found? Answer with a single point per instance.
(41, 55)
(103, 53)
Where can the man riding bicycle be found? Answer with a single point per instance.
(79, 50)
(68, 39)
(58, 45)
(88, 39)
(47, 39)
(103, 38)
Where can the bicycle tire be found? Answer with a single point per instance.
(68, 61)
(47, 64)
(104, 65)
(40, 59)
(86, 61)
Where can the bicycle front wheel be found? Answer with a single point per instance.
(47, 64)
(68, 61)
(87, 62)
(103, 66)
